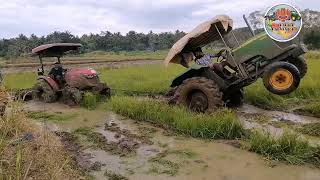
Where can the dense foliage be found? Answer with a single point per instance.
(105, 41)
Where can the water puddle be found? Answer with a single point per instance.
(278, 115)
(157, 155)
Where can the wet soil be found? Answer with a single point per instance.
(157, 154)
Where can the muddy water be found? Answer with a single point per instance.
(206, 159)
(278, 115)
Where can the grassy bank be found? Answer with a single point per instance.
(221, 125)
(96, 55)
(30, 152)
(289, 147)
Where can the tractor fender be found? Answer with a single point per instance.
(199, 72)
(50, 81)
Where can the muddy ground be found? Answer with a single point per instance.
(108, 146)
(97, 64)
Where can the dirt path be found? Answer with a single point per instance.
(32, 67)
(121, 148)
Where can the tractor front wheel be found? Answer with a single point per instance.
(199, 94)
(71, 96)
(43, 92)
(281, 78)
(301, 64)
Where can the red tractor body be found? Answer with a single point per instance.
(70, 84)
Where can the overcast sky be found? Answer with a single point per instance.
(93, 16)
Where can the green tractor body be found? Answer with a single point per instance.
(280, 64)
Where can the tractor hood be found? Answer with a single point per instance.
(202, 35)
(82, 71)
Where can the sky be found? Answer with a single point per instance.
(41, 17)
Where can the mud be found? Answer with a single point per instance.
(102, 64)
(162, 156)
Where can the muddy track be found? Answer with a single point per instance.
(155, 153)
(32, 67)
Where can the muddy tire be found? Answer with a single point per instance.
(71, 96)
(281, 78)
(43, 92)
(235, 99)
(199, 94)
(301, 64)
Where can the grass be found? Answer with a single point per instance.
(114, 176)
(139, 80)
(223, 124)
(20, 80)
(289, 148)
(54, 117)
(312, 129)
(160, 165)
(310, 109)
(98, 55)
(95, 138)
(89, 101)
(28, 151)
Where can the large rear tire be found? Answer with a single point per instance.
(43, 92)
(199, 94)
(281, 78)
(301, 64)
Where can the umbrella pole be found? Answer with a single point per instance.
(242, 72)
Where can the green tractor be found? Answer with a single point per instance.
(203, 88)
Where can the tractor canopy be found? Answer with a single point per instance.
(205, 33)
(55, 49)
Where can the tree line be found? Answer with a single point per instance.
(132, 41)
(104, 41)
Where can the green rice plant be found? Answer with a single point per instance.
(310, 109)
(223, 124)
(89, 100)
(312, 129)
(289, 147)
(54, 117)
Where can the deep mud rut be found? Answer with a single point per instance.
(127, 149)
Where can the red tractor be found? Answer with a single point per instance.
(66, 84)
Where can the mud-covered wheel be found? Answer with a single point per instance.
(301, 64)
(199, 94)
(235, 99)
(43, 92)
(281, 78)
(71, 96)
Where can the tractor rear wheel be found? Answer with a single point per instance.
(281, 78)
(301, 64)
(199, 94)
(43, 92)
